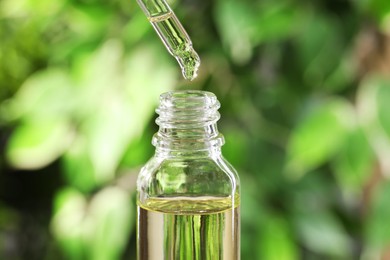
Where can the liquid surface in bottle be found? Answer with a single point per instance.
(177, 42)
(188, 229)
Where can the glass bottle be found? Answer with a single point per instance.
(188, 195)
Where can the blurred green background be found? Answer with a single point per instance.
(305, 93)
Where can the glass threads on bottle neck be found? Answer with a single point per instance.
(187, 121)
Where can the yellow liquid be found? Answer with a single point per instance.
(188, 229)
(177, 42)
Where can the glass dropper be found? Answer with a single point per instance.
(173, 35)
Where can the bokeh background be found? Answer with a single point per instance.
(305, 93)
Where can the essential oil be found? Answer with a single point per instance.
(189, 228)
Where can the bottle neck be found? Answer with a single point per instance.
(190, 142)
(188, 124)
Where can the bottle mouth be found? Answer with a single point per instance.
(187, 108)
(188, 100)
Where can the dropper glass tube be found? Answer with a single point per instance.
(173, 35)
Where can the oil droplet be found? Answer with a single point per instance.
(189, 62)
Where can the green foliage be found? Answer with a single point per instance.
(355, 162)
(243, 26)
(276, 240)
(377, 228)
(98, 229)
(35, 145)
(306, 123)
(383, 105)
(318, 137)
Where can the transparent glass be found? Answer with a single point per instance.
(188, 194)
(173, 35)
